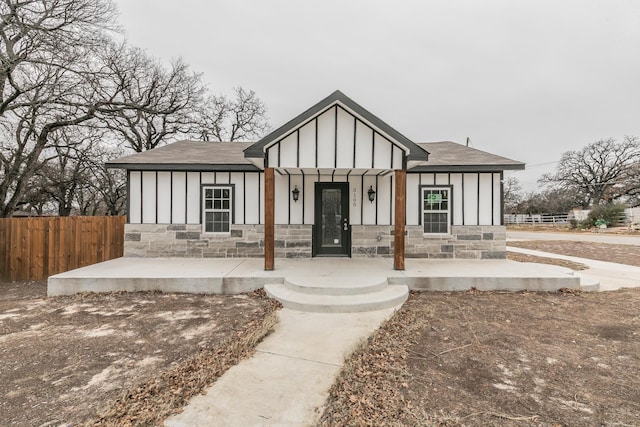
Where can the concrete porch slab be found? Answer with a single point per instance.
(189, 275)
(236, 275)
(486, 275)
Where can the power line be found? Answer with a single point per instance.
(542, 164)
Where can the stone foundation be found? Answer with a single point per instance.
(465, 242)
(188, 240)
(371, 240)
(294, 241)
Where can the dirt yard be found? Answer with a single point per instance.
(472, 359)
(496, 359)
(486, 358)
(516, 256)
(118, 358)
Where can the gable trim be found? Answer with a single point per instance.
(335, 106)
(393, 152)
(337, 98)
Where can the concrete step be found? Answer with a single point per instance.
(388, 297)
(335, 286)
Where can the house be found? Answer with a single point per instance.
(334, 181)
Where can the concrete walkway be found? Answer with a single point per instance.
(611, 275)
(287, 381)
(578, 237)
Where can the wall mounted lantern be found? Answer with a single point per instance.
(295, 193)
(371, 193)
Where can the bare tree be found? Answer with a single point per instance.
(49, 80)
(51, 32)
(163, 102)
(60, 70)
(67, 74)
(73, 95)
(603, 171)
(68, 170)
(512, 191)
(550, 201)
(106, 192)
(240, 119)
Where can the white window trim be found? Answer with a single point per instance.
(424, 188)
(204, 210)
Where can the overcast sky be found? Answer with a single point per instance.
(524, 79)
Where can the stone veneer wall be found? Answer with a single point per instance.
(188, 240)
(465, 242)
(294, 241)
(371, 240)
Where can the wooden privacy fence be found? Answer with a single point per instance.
(35, 248)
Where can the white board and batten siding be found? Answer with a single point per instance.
(175, 197)
(475, 196)
(335, 139)
(165, 197)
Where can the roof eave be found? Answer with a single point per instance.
(468, 168)
(191, 167)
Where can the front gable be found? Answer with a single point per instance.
(335, 134)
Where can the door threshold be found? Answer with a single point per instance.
(331, 256)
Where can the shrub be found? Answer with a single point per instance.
(611, 215)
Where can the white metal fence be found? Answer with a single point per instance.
(629, 217)
(535, 219)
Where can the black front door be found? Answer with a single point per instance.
(331, 230)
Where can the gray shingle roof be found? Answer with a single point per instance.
(445, 156)
(189, 155)
(451, 156)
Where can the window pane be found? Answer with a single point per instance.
(436, 212)
(217, 209)
(208, 222)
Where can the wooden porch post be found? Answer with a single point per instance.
(400, 212)
(269, 218)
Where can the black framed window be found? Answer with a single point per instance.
(436, 210)
(217, 209)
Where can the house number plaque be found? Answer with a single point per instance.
(355, 199)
